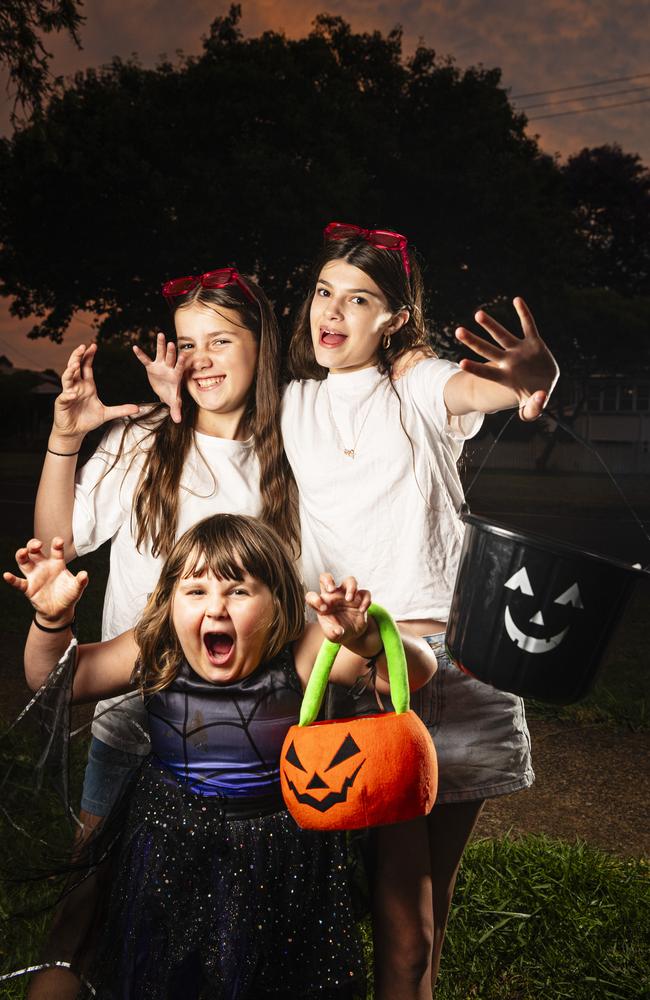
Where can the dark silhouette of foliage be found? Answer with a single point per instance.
(609, 192)
(22, 52)
(243, 153)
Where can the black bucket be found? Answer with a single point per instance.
(531, 615)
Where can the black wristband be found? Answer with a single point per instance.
(60, 628)
(375, 656)
(63, 454)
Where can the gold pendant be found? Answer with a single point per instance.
(349, 452)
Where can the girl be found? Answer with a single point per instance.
(215, 891)
(349, 429)
(152, 478)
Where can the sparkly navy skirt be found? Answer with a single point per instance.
(208, 906)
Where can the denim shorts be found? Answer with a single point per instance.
(106, 772)
(480, 734)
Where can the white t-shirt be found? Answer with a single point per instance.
(388, 515)
(219, 476)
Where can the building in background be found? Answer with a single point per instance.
(610, 413)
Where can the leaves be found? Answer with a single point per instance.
(22, 51)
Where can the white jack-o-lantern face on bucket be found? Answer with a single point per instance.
(520, 581)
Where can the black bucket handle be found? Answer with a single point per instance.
(465, 509)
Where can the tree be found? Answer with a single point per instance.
(22, 52)
(609, 193)
(134, 175)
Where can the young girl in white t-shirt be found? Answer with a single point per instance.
(154, 475)
(374, 458)
(151, 477)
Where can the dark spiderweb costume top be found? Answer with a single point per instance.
(225, 740)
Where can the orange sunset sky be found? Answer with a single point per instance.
(540, 45)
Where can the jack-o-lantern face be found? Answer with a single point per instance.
(347, 751)
(351, 773)
(520, 582)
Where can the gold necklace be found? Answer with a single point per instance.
(351, 452)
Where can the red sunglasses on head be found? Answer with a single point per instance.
(220, 278)
(383, 239)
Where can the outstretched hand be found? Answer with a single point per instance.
(78, 408)
(165, 373)
(522, 364)
(47, 582)
(341, 609)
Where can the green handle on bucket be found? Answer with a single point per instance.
(395, 658)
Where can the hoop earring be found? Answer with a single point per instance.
(385, 341)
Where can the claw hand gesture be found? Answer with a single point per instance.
(523, 364)
(50, 586)
(165, 374)
(78, 409)
(341, 609)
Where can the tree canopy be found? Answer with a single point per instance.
(609, 192)
(245, 152)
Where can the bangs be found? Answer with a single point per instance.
(225, 562)
(231, 297)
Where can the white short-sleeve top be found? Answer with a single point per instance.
(219, 476)
(389, 514)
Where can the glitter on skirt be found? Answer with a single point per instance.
(227, 909)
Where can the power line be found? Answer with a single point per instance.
(586, 97)
(582, 111)
(580, 86)
(16, 350)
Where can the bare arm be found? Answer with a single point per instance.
(77, 410)
(343, 619)
(519, 371)
(103, 668)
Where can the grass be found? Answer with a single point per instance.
(25, 908)
(540, 919)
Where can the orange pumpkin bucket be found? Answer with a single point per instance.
(346, 774)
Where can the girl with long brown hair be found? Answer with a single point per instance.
(352, 429)
(151, 478)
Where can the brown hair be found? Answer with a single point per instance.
(227, 545)
(386, 269)
(155, 506)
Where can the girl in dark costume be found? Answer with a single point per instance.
(215, 891)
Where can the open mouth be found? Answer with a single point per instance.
(210, 382)
(219, 647)
(331, 338)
